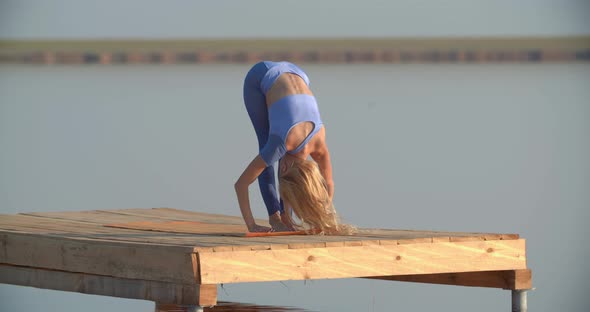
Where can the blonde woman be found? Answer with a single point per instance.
(287, 123)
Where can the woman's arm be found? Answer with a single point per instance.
(322, 158)
(256, 166)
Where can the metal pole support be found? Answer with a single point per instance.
(519, 303)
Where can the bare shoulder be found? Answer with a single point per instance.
(319, 146)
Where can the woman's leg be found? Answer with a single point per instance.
(255, 102)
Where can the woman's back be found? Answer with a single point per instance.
(290, 84)
(287, 84)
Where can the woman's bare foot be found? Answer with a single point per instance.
(277, 224)
(259, 228)
(287, 222)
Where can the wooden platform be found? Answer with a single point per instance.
(178, 257)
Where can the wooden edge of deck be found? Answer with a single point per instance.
(509, 279)
(161, 292)
(123, 260)
(361, 261)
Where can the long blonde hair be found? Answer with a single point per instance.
(303, 188)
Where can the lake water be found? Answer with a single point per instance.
(480, 148)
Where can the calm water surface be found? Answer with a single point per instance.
(494, 148)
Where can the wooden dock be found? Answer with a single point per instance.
(173, 256)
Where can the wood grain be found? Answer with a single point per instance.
(510, 279)
(194, 294)
(89, 224)
(192, 227)
(375, 260)
(133, 261)
(201, 228)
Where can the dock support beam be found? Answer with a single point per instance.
(509, 279)
(517, 281)
(519, 302)
(194, 296)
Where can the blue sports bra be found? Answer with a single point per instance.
(287, 112)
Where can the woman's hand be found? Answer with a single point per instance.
(259, 228)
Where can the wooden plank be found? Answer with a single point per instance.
(182, 215)
(54, 224)
(117, 238)
(241, 244)
(271, 234)
(376, 260)
(193, 294)
(191, 227)
(405, 235)
(81, 222)
(201, 228)
(202, 245)
(440, 235)
(129, 215)
(140, 214)
(59, 226)
(202, 242)
(133, 261)
(196, 243)
(85, 220)
(309, 241)
(172, 236)
(123, 242)
(103, 239)
(370, 234)
(92, 217)
(73, 230)
(193, 215)
(511, 279)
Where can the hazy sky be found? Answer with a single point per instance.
(254, 18)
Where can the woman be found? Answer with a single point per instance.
(287, 122)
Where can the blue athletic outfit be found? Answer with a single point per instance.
(273, 124)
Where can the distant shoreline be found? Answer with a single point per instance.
(310, 50)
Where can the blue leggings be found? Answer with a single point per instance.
(255, 101)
